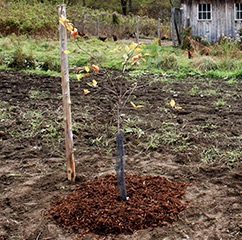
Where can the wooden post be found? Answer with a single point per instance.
(98, 25)
(159, 32)
(71, 174)
(175, 16)
(137, 30)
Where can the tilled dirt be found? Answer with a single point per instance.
(197, 144)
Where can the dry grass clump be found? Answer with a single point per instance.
(205, 63)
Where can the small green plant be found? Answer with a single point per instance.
(97, 140)
(213, 154)
(194, 90)
(5, 112)
(134, 130)
(153, 141)
(232, 81)
(231, 158)
(219, 103)
(209, 92)
(210, 155)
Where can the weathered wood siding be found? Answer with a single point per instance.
(222, 22)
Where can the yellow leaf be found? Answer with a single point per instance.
(87, 69)
(118, 48)
(138, 50)
(139, 106)
(94, 83)
(79, 76)
(66, 51)
(133, 105)
(133, 45)
(136, 106)
(127, 48)
(62, 23)
(66, 23)
(178, 107)
(69, 26)
(172, 103)
(144, 60)
(86, 91)
(156, 40)
(63, 20)
(125, 56)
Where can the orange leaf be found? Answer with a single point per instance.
(86, 91)
(134, 58)
(139, 55)
(95, 68)
(74, 32)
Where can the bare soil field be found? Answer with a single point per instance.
(182, 161)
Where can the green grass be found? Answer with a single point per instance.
(109, 54)
(29, 33)
(214, 154)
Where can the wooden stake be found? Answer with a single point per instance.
(158, 31)
(137, 30)
(71, 174)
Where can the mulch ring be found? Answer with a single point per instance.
(95, 206)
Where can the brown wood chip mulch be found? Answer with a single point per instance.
(95, 206)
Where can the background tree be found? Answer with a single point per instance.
(124, 6)
(175, 3)
(150, 8)
(130, 6)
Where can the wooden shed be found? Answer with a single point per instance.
(212, 19)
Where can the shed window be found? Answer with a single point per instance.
(204, 11)
(238, 11)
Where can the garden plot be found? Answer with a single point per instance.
(196, 143)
